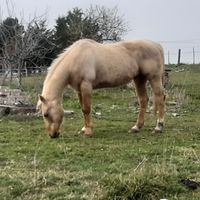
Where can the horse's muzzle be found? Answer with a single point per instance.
(54, 135)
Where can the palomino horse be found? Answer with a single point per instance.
(88, 65)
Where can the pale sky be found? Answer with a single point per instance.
(172, 23)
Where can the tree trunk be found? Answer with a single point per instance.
(19, 75)
(11, 76)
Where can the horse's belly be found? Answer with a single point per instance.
(111, 81)
(114, 75)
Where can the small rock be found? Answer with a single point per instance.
(68, 112)
(175, 114)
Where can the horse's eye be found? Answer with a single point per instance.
(46, 115)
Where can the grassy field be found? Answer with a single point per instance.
(113, 164)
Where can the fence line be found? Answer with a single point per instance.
(179, 56)
(24, 72)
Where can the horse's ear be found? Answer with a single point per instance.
(42, 99)
(39, 106)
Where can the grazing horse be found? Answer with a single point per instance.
(88, 65)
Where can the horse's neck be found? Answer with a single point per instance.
(53, 87)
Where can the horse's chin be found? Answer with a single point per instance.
(54, 135)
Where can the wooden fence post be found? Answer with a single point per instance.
(193, 57)
(168, 59)
(179, 56)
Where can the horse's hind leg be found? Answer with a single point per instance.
(159, 103)
(140, 85)
(85, 101)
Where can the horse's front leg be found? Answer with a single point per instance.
(140, 85)
(85, 101)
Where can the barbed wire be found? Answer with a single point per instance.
(182, 53)
(181, 41)
(189, 48)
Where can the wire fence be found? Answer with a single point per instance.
(24, 72)
(185, 57)
(189, 51)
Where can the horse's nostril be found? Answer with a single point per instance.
(54, 135)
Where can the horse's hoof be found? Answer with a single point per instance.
(81, 132)
(157, 131)
(87, 135)
(133, 131)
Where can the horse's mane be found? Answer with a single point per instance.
(63, 54)
(55, 62)
(59, 55)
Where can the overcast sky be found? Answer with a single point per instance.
(173, 23)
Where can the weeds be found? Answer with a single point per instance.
(112, 165)
(177, 97)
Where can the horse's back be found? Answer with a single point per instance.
(125, 52)
(110, 65)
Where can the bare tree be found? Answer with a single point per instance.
(22, 42)
(111, 26)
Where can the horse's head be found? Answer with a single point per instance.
(52, 113)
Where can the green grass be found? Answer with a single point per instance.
(112, 164)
